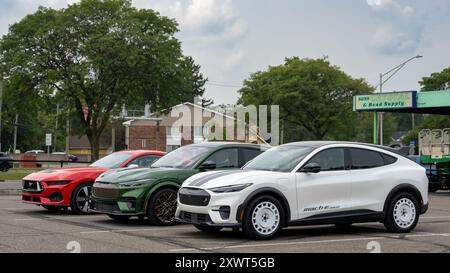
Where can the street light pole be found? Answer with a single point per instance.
(389, 75)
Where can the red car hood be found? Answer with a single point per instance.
(70, 173)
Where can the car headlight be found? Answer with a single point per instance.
(231, 188)
(137, 183)
(57, 183)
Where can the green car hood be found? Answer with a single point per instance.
(126, 175)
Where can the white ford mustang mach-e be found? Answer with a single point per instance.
(308, 183)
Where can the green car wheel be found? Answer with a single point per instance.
(162, 207)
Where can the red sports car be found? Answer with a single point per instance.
(57, 189)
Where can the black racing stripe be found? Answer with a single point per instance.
(206, 177)
(204, 180)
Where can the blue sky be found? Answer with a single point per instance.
(232, 38)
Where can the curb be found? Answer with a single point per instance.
(8, 192)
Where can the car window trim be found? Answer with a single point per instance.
(359, 148)
(346, 164)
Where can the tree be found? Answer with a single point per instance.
(436, 81)
(98, 55)
(311, 93)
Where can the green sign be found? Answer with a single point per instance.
(382, 101)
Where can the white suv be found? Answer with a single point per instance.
(308, 183)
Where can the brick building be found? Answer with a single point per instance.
(167, 132)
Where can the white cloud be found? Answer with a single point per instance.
(400, 29)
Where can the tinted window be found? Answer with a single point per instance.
(225, 158)
(330, 160)
(144, 161)
(248, 154)
(388, 159)
(365, 159)
(283, 158)
(182, 158)
(112, 161)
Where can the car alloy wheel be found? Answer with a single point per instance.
(265, 218)
(81, 202)
(404, 213)
(162, 207)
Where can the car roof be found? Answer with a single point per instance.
(317, 144)
(139, 152)
(217, 144)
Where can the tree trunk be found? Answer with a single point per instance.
(95, 147)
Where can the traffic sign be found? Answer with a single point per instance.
(48, 139)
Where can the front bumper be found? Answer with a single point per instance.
(111, 199)
(221, 210)
(43, 194)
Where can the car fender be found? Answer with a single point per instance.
(270, 191)
(157, 186)
(404, 187)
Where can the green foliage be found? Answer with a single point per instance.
(315, 99)
(96, 56)
(436, 81)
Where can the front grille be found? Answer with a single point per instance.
(107, 191)
(194, 197)
(104, 207)
(32, 186)
(195, 218)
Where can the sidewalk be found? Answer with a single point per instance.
(10, 188)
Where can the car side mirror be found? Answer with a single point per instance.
(311, 168)
(133, 166)
(207, 165)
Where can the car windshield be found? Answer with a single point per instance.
(182, 158)
(279, 159)
(112, 161)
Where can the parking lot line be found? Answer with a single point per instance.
(58, 218)
(419, 234)
(133, 230)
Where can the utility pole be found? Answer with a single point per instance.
(16, 123)
(67, 132)
(378, 117)
(56, 127)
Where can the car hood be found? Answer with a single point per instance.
(227, 178)
(69, 173)
(126, 175)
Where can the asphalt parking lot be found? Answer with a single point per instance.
(28, 228)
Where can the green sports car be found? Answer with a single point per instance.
(152, 192)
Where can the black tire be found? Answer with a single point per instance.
(258, 231)
(402, 203)
(119, 218)
(79, 200)
(208, 229)
(53, 208)
(162, 206)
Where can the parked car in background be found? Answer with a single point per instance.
(5, 162)
(308, 183)
(56, 189)
(152, 192)
(34, 152)
(70, 157)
